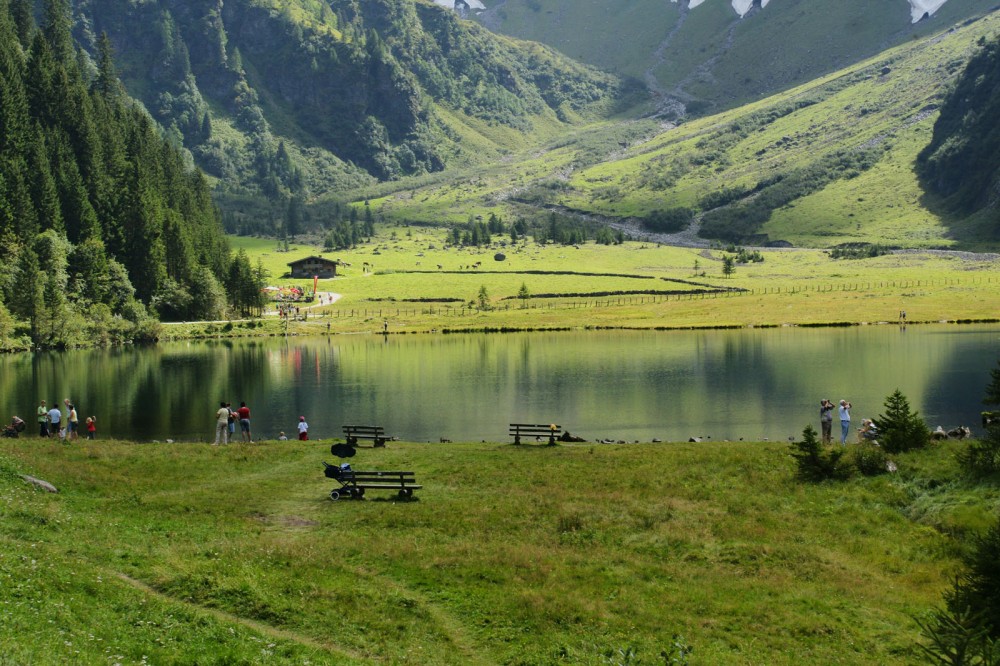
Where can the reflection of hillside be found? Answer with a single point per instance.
(629, 385)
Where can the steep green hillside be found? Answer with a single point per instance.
(825, 163)
(707, 58)
(304, 98)
(962, 161)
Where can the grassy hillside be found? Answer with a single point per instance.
(822, 164)
(574, 554)
(707, 57)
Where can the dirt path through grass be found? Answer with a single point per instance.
(254, 625)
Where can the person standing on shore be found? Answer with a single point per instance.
(55, 418)
(826, 419)
(43, 420)
(222, 424)
(303, 429)
(845, 421)
(72, 421)
(244, 413)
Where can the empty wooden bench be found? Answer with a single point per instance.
(549, 431)
(375, 433)
(354, 483)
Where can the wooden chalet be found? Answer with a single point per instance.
(314, 266)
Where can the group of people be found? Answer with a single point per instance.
(52, 422)
(226, 419)
(867, 431)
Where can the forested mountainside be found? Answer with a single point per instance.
(303, 97)
(103, 223)
(962, 162)
(700, 56)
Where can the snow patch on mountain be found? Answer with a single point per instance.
(744, 6)
(450, 4)
(920, 7)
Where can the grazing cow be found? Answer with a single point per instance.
(939, 434)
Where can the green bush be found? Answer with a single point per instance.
(816, 462)
(870, 459)
(981, 458)
(900, 428)
(967, 631)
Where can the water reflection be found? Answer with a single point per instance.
(749, 384)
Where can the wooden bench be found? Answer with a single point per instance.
(551, 431)
(354, 483)
(375, 433)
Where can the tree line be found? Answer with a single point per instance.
(105, 226)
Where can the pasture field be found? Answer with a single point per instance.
(623, 285)
(573, 554)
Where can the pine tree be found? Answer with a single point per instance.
(56, 27)
(24, 21)
(814, 463)
(26, 294)
(728, 265)
(901, 429)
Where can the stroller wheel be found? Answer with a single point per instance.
(335, 495)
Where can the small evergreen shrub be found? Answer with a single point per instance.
(816, 462)
(900, 428)
(967, 630)
(982, 458)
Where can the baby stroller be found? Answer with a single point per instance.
(16, 426)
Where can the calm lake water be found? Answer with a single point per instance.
(750, 384)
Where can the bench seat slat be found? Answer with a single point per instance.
(387, 486)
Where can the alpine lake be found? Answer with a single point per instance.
(747, 384)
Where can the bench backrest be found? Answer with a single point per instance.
(364, 429)
(534, 429)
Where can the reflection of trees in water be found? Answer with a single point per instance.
(749, 383)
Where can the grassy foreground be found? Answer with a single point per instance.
(509, 555)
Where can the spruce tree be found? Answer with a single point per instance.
(900, 428)
(22, 13)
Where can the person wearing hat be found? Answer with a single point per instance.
(826, 419)
(303, 429)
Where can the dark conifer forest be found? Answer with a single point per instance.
(105, 227)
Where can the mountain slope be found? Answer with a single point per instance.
(286, 98)
(703, 56)
(829, 162)
(962, 162)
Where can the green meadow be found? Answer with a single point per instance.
(574, 554)
(632, 285)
